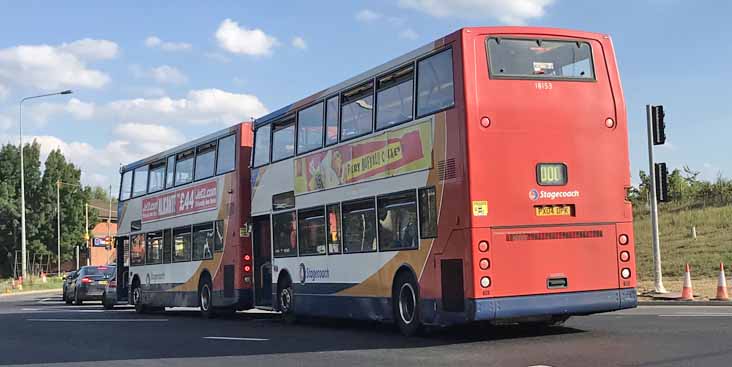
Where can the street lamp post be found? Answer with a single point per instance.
(22, 178)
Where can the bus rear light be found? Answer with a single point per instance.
(247, 257)
(483, 246)
(609, 123)
(624, 256)
(485, 264)
(625, 273)
(247, 268)
(623, 239)
(485, 121)
(485, 282)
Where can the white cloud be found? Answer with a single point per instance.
(366, 15)
(5, 123)
(299, 42)
(42, 112)
(155, 42)
(4, 92)
(148, 138)
(218, 57)
(204, 106)
(168, 75)
(238, 40)
(506, 11)
(409, 34)
(49, 68)
(91, 49)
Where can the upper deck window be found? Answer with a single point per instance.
(540, 59)
(331, 121)
(226, 157)
(184, 167)
(169, 172)
(283, 139)
(435, 85)
(205, 160)
(125, 191)
(357, 111)
(157, 177)
(394, 98)
(310, 128)
(140, 182)
(261, 146)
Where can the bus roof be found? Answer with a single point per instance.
(398, 61)
(179, 148)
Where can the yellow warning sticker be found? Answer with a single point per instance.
(480, 208)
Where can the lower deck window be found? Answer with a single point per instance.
(219, 236)
(398, 221)
(167, 246)
(203, 241)
(333, 237)
(311, 231)
(182, 244)
(359, 226)
(284, 234)
(427, 212)
(154, 248)
(137, 250)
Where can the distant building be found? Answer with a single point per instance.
(101, 251)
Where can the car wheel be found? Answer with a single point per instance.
(77, 301)
(106, 303)
(286, 300)
(205, 299)
(405, 301)
(137, 299)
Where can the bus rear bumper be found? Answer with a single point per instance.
(558, 304)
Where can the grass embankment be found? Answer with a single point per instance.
(712, 245)
(31, 284)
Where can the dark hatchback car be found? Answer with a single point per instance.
(89, 284)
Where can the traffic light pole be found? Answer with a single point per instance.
(658, 275)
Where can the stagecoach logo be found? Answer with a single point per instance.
(535, 195)
(312, 274)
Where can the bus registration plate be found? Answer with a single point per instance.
(553, 210)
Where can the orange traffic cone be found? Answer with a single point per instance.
(686, 293)
(722, 285)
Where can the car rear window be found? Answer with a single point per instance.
(100, 270)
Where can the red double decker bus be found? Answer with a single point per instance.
(480, 177)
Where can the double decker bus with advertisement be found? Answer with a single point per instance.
(182, 226)
(482, 177)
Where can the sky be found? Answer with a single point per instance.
(148, 75)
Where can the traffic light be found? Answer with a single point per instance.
(659, 126)
(661, 174)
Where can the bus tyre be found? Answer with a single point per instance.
(405, 301)
(286, 300)
(137, 299)
(205, 298)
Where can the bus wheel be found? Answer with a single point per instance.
(137, 299)
(286, 300)
(204, 298)
(405, 300)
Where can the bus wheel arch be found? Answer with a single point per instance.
(406, 300)
(205, 294)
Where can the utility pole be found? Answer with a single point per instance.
(86, 228)
(658, 274)
(109, 215)
(58, 225)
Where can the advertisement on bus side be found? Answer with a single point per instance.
(388, 154)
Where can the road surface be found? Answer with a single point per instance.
(39, 329)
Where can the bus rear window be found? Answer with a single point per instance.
(540, 59)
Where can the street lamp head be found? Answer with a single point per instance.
(68, 91)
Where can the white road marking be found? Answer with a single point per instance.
(698, 315)
(30, 309)
(233, 338)
(97, 320)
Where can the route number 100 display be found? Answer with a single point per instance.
(551, 174)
